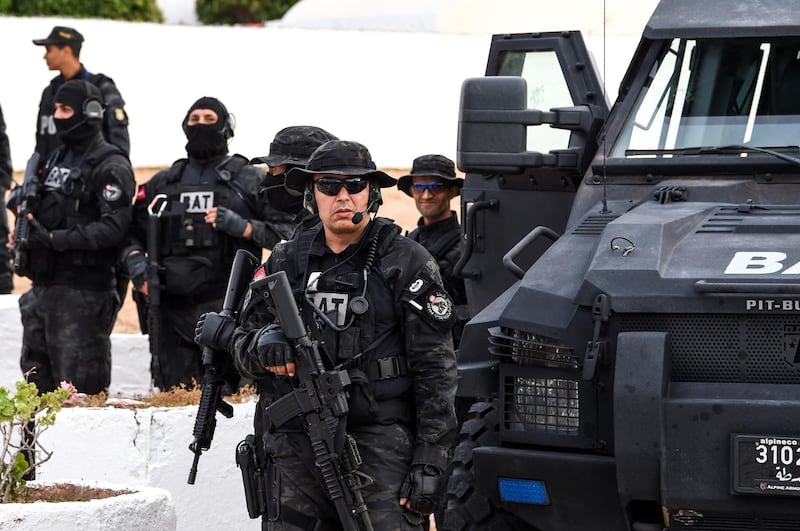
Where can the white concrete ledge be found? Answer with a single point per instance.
(150, 447)
(145, 508)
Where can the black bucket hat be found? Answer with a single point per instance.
(339, 157)
(431, 166)
(293, 145)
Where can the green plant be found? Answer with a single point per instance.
(23, 417)
(240, 11)
(132, 10)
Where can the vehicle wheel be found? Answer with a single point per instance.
(467, 509)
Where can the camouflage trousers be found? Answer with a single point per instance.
(66, 336)
(304, 503)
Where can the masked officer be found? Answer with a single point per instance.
(80, 220)
(433, 184)
(290, 148)
(203, 207)
(6, 269)
(375, 301)
(62, 54)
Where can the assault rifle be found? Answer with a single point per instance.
(211, 395)
(153, 276)
(22, 225)
(322, 402)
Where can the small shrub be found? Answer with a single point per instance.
(241, 11)
(24, 416)
(132, 10)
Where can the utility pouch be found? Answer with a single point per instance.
(252, 477)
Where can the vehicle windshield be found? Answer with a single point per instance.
(717, 92)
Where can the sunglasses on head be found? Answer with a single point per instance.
(331, 186)
(433, 187)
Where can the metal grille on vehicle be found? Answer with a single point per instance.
(518, 346)
(542, 404)
(727, 348)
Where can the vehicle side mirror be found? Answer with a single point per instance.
(492, 128)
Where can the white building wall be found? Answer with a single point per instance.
(396, 92)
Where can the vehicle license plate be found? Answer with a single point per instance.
(766, 464)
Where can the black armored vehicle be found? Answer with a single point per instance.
(633, 362)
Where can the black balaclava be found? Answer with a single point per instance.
(206, 141)
(77, 129)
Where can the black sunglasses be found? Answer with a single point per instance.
(433, 187)
(331, 186)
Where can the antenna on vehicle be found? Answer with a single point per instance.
(604, 210)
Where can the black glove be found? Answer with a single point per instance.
(214, 330)
(273, 348)
(230, 222)
(136, 264)
(38, 237)
(424, 488)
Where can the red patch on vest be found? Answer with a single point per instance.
(141, 193)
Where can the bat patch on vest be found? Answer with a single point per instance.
(197, 202)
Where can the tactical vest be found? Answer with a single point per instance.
(196, 257)
(71, 205)
(381, 386)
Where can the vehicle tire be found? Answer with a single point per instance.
(467, 508)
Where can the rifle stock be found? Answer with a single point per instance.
(322, 401)
(211, 387)
(22, 225)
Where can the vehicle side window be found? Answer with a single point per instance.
(547, 88)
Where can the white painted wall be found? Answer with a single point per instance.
(396, 92)
(130, 354)
(150, 447)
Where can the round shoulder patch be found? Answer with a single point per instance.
(439, 305)
(111, 192)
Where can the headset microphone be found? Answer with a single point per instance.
(359, 216)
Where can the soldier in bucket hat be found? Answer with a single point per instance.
(377, 306)
(432, 184)
(290, 148)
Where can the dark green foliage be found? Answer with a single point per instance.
(134, 10)
(240, 11)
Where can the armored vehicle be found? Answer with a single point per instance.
(634, 273)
